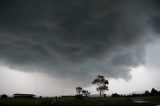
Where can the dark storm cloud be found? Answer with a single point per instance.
(76, 39)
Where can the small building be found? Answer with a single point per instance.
(4, 96)
(24, 95)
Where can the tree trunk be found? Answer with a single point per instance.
(100, 93)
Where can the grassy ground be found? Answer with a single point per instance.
(154, 98)
(70, 102)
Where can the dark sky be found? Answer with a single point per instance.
(77, 39)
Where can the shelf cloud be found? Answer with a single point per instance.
(77, 39)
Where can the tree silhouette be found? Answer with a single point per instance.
(101, 84)
(115, 95)
(146, 93)
(85, 92)
(154, 92)
(79, 90)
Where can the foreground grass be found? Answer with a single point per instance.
(70, 102)
(154, 98)
(93, 102)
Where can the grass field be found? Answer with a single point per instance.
(110, 101)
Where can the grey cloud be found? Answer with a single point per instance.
(76, 39)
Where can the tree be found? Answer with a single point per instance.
(115, 95)
(85, 92)
(79, 90)
(101, 84)
(154, 92)
(146, 93)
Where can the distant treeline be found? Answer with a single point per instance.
(153, 92)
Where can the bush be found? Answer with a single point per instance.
(115, 95)
(78, 96)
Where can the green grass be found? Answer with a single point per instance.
(92, 101)
(24, 102)
(17, 102)
(157, 98)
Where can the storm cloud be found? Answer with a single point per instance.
(77, 39)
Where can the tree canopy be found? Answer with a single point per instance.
(101, 84)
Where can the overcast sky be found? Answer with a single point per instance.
(49, 47)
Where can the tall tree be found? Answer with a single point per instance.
(78, 90)
(101, 84)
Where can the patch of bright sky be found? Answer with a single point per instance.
(143, 78)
